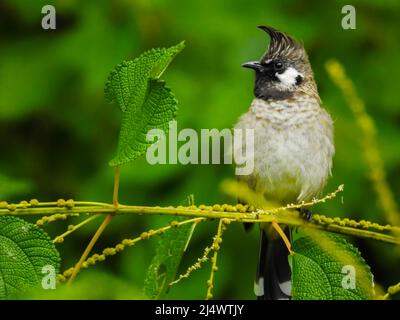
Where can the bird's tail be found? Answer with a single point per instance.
(273, 280)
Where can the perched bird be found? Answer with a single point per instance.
(293, 146)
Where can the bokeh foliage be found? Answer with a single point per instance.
(58, 133)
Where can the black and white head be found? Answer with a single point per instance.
(284, 69)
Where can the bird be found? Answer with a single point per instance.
(293, 147)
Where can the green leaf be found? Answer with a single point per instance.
(164, 265)
(317, 267)
(145, 101)
(24, 250)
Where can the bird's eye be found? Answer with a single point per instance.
(278, 65)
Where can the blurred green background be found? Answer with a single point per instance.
(57, 133)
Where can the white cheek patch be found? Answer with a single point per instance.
(288, 78)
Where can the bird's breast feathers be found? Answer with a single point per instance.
(293, 148)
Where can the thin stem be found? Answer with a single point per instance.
(102, 227)
(91, 203)
(283, 236)
(25, 204)
(196, 265)
(215, 247)
(90, 246)
(74, 228)
(116, 185)
(58, 216)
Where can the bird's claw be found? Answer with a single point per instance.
(305, 214)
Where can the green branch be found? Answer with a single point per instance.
(237, 213)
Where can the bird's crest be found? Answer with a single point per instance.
(282, 46)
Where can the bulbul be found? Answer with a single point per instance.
(293, 146)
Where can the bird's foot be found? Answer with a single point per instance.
(305, 214)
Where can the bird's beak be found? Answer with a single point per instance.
(255, 65)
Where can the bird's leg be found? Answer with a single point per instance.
(305, 214)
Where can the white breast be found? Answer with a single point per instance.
(293, 148)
